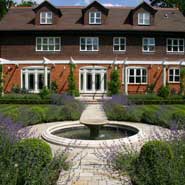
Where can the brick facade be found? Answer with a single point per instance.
(19, 46)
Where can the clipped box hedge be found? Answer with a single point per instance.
(157, 102)
(24, 101)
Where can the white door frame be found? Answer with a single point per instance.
(92, 70)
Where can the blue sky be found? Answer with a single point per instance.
(85, 2)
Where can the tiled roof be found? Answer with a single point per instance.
(166, 19)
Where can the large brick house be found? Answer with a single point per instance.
(146, 44)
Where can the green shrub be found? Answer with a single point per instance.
(40, 112)
(31, 156)
(29, 116)
(16, 89)
(115, 112)
(125, 162)
(25, 101)
(148, 117)
(156, 117)
(179, 118)
(114, 84)
(49, 175)
(164, 92)
(72, 89)
(55, 113)
(1, 79)
(178, 171)
(8, 170)
(153, 164)
(44, 93)
(133, 116)
(149, 96)
(182, 80)
(151, 87)
(70, 112)
(54, 87)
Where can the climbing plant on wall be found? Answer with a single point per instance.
(182, 80)
(114, 83)
(1, 80)
(72, 90)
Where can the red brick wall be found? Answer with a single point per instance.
(60, 73)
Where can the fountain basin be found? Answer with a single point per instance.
(49, 135)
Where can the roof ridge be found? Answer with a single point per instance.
(110, 7)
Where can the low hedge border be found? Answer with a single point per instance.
(156, 102)
(25, 101)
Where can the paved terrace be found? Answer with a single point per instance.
(90, 166)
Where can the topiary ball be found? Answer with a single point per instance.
(153, 164)
(30, 157)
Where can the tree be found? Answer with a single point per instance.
(169, 3)
(27, 3)
(182, 81)
(72, 90)
(114, 83)
(1, 80)
(4, 6)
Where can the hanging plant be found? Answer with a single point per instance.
(72, 90)
(182, 81)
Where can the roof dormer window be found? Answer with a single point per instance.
(94, 17)
(144, 18)
(46, 18)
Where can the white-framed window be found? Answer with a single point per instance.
(33, 79)
(174, 75)
(89, 44)
(137, 75)
(148, 45)
(48, 43)
(175, 45)
(119, 44)
(144, 18)
(94, 17)
(46, 18)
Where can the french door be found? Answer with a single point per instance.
(93, 80)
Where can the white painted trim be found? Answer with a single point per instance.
(37, 70)
(93, 67)
(134, 62)
(136, 67)
(143, 14)
(148, 51)
(174, 52)
(94, 50)
(173, 82)
(46, 17)
(95, 17)
(93, 70)
(54, 41)
(125, 40)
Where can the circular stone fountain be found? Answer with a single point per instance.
(72, 134)
(92, 131)
(94, 127)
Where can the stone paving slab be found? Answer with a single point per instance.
(94, 114)
(89, 165)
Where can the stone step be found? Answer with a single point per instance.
(93, 95)
(91, 100)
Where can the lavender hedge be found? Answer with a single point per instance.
(19, 160)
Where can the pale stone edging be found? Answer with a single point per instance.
(48, 136)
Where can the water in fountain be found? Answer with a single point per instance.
(104, 132)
